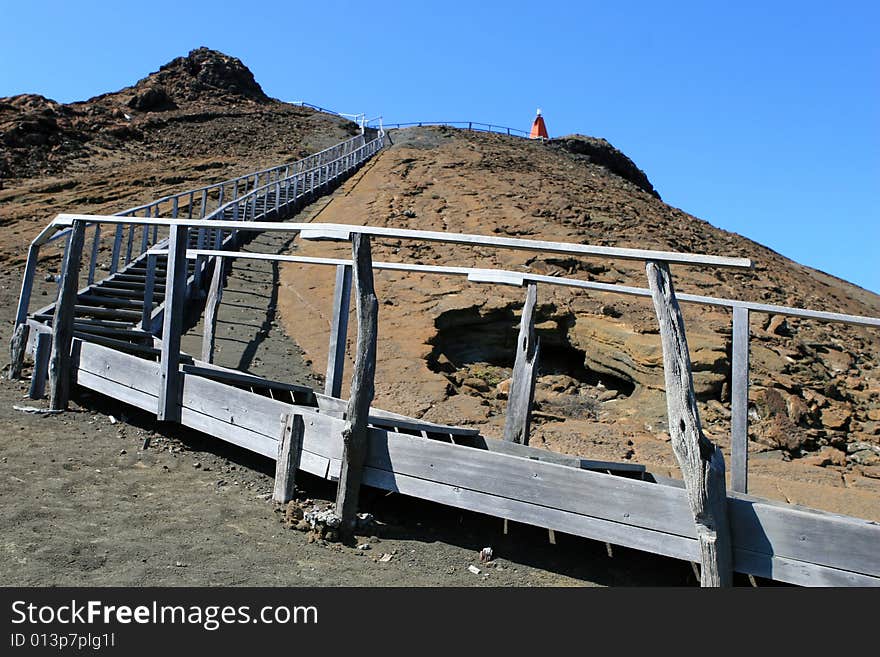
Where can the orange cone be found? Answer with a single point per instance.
(539, 130)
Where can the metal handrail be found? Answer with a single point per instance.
(471, 125)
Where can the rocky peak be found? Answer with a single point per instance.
(203, 73)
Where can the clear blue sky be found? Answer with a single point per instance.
(760, 117)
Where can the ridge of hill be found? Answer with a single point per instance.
(197, 120)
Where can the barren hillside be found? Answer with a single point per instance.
(446, 345)
(198, 119)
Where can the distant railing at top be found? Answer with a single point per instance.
(465, 125)
(201, 201)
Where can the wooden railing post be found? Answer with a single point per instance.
(18, 343)
(215, 295)
(62, 324)
(522, 386)
(93, 260)
(739, 401)
(42, 351)
(149, 292)
(172, 324)
(117, 247)
(701, 462)
(338, 332)
(355, 434)
(287, 462)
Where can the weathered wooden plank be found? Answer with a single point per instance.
(125, 369)
(639, 538)
(212, 305)
(379, 417)
(338, 332)
(520, 278)
(318, 229)
(250, 440)
(117, 247)
(93, 260)
(701, 462)
(21, 331)
(287, 463)
(17, 349)
(212, 371)
(149, 292)
(355, 433)
(62, 325)
(27, 283)
(618, 499)
(116, 391)
(42, 350)
(793, 571)
(739, 401)
(522, 387)
(841, 542)
(172, 324)
(233, 405)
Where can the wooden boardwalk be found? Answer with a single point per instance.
(120, 336)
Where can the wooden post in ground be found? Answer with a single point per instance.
(289, 448)
(42, 351)
(522, 386)
(215, 295)
(18, 343)
(172, 324)
(62, 324)
(355, 433)
(338, 332)
(739, 401)
(701, 462)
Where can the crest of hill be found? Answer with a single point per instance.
(598, 151)
(193, 106)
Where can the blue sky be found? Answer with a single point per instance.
(760, 117)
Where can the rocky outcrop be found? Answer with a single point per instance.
(206, 72)
(598, 151)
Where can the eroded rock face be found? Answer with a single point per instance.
(613, 348)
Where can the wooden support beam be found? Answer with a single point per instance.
(338, 332)
(289, 450)
(149, 292)
(62, 325)
(212, 305)
(42, 350)
(93, 261)
(18, 343)
(172, 324)
(354, 435)
(701, 462)
(17, 349)
(739, 401)
(117, 247)
(522, 387)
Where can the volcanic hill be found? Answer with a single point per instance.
(446, 346)
(197, 120)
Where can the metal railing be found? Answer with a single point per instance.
(244, 197)
(473, 126)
